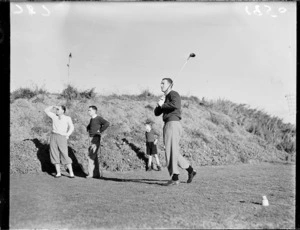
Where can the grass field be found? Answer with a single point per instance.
(219, 197)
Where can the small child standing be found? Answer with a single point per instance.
(151, 147)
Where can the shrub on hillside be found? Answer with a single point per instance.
(117, 96)
(196, 100)
(72, 93)
(23, 157)
(259, 123)
(27, 93)
(190, 98)
(88, 94)
(145, 95)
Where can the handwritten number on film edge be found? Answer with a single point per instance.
(261, 10)
(31, 11)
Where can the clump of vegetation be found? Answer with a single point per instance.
(72, 93)
(88, 94)
(196, 100)
(272, 129)
(23, 157)
(27, 93)
(145, 94)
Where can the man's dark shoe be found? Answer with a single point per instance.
(191, 176)
(158, 168)
(152, 166)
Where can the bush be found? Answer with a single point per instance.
(23, 157)
(27, 93)
(259, 123)
(145, 94)
(191, 98)
(72, 93)
(88, 94)
(195, 99)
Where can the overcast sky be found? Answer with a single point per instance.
(245, 52)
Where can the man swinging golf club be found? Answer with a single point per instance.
(170, 106)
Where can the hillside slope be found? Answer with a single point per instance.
(213, 135)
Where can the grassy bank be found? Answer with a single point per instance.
(216, 132)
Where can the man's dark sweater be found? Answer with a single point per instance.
(97, 125)
(171, 108)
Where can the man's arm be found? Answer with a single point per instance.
(71, 128)
(103, 124)
(157, 136)
(48, 111)
(158, 111)
(174, 103)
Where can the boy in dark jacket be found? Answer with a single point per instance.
(151, 145)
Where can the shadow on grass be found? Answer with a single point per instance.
(252, 202)
(77, 167)
(144, 181)
(43, 154)
(140, 154)
(257, 203)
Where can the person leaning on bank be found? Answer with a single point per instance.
(95, 128)
(62, 128)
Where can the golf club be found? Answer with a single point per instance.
(190, 56)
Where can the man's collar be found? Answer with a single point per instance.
(61, 116)
(94, 116)
(168, 92)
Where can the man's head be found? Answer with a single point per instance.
(61, 109)
(92, 110)
(166, 85)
